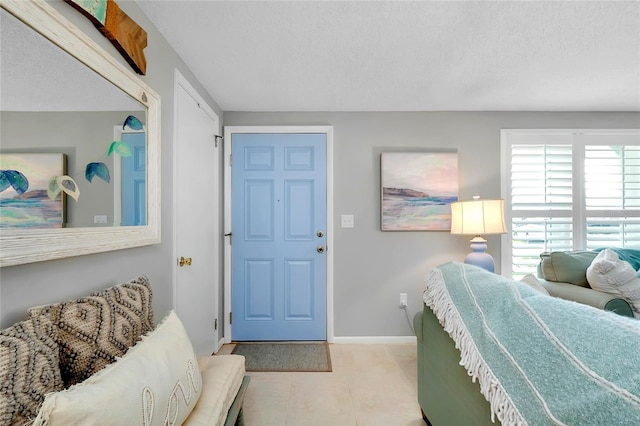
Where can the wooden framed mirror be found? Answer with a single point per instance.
(124, 94)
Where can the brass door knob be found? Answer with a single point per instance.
(184, 261)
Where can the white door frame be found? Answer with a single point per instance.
(230, 130)
(181, 82)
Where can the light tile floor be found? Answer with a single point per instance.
(371, 384)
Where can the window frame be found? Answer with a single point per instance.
(574, 137)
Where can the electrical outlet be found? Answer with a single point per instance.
(100, 218)
(403, 300)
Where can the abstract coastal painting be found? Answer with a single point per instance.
(30, 207)
(417, 190)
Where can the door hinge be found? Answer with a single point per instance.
(230, 160)
(216, 138)
(230, 318)
(230, 235)
(215, 324)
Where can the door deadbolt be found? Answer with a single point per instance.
(320, 249)
(320, 234)
(184, 261)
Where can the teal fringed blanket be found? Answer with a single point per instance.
(540, 360)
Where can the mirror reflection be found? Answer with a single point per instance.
(72, 145)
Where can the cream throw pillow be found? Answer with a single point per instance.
(157, 382)
(609, 274)
(534, 283)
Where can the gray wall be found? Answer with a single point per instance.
(45, 282)
(83, 137)
(373, 267)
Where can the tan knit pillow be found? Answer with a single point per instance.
(28, 369)
(94, 330)
(157, 382)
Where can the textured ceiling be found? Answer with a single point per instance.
(409, 56)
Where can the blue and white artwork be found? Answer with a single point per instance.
(31, 208)
(417, 190)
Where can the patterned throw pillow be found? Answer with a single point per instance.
(94, 330)
(157, 382)
(28, 369)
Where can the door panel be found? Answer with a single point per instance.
(278, 186)
(259, 210)
(299, 289)
(259, 290)
(299, 210)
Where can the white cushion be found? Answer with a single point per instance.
(156, 382)
(609, 274)
(534, 283)
(221, 379)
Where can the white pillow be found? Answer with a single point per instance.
(156, 382)
(609, 274)
(534, 283)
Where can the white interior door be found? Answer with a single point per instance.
(197, 233)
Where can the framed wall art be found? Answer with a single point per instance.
(24, 180)
(417, 189)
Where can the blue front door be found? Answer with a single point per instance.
(278, 190)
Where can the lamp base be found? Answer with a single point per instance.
(479, 257)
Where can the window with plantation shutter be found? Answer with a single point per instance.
(568, 190)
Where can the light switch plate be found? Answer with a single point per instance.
(347, 221)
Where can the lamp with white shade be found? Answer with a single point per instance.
(478, 217)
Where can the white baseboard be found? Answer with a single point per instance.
(360, 339)
(374, 339)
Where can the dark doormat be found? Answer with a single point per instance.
(285, 356)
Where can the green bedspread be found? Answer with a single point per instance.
(540, 360)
